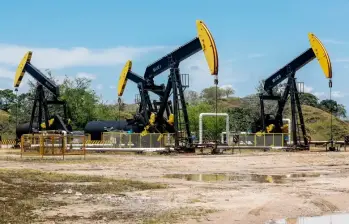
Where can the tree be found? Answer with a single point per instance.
(228, 91)
(308, 99)
(191, 97)
(25, 105)
(331, 105)
(7, 100)
(209, 94)
(328, 105)
(5, 126)
(209, 123)
(240, 119)
(80, 99)
(341, 111)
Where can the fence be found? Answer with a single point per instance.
(7, 143)
(262, 139)
(52, 145)
(135, 140)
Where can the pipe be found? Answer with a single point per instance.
(130, 149)
(213, 114)
(79, 144)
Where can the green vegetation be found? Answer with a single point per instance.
(86, 106)
(175, 215)
(21, 191)
(318, 124)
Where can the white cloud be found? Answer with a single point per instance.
(200, 77)
(319, 94)
(86, 75)
(323, 95)
(99, 86)
(335, 94)
(255, 55)
(6, 73)
(332, 41)
(338, 94)
(112, 87)
(6, 79)
(56, 58)
(226, 86)
(308, 89)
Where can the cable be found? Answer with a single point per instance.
(331, 112)
(16, 89)
(216, 128)
(119, 102)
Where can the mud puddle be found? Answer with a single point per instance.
(341, 218)
(261, 178)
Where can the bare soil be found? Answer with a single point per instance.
(235, 200)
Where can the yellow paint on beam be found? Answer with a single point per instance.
(208, 46)
(321, 55)
(20, 69)
(123, 77)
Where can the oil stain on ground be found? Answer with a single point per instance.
(261, 178)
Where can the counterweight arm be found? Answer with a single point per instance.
(177, 55)
(26, 66)
(204, 41)
(284, 72)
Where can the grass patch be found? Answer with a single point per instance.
(20, 190)
(178, 215)
(195, 200)
(58, 160)
(318, 124)
(155, 217)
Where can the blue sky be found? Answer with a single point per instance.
(95, 38)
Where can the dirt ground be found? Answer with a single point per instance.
(250, 188)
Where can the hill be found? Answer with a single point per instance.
(4, 115)
(318, 124)
(230, 102)
(317, 121)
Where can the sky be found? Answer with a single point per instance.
(94, 39)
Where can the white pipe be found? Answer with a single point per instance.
(289, 129)
(129, 149)
(79, 144)
(213, 114)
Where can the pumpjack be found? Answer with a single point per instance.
(40, 117)
(152, 117)
(271, 123)
(147, 109)
(144, 114)
(205, 42)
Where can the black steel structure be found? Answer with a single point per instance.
(151, 116)
(146, 106)
(288, 72)
(176, 87)
(40, 116)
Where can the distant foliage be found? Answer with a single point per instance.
(86, 106)
(83, 103)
